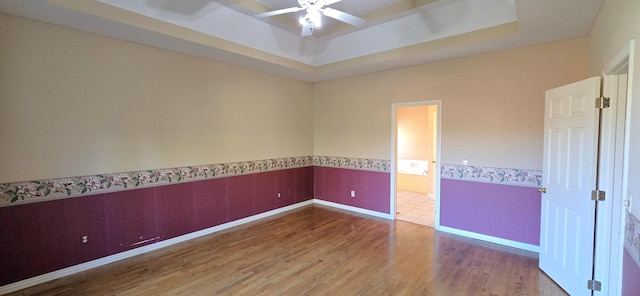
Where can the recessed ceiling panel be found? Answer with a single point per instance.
(219, 21)
(397, 33)
(430, 22)
(354, 7)
(425, 24)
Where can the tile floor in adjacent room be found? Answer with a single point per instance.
(415, 207)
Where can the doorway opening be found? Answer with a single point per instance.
(416, 150)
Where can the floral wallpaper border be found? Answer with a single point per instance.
(632, 236)
(18, 192)
(520, 177)
(41, 190)
(75, 186)
(354, 163)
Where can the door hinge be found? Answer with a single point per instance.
(594, 285)
(603, 102)
(598, 195)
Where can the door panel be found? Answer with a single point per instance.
(574, 172)
(569, 166)
(553, 173)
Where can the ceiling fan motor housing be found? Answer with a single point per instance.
(314, 10)
(311, 4)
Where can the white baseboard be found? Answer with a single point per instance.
(353, 209)
(491, 239)
(137, 251)
(469, 234)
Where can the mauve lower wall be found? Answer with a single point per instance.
(42, 237)
(505, 211)
(372, 189)
(630, 275)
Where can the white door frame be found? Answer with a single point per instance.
(613, 172)
(394, 155)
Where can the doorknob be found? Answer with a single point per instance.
(542, 190)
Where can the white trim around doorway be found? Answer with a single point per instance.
(615, 163)
(394, 156)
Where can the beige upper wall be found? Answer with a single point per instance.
(74, 103)
(492, 104)
(617, 24)
(415, 132)
(415, 126)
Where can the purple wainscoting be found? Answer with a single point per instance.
(319, 190)
(41, 237)
(83, 216)
(130, 218)
(286, 186)
(264, 192)
(372, 189)
(240, 197)
(175, 210)
(630, 275)
(503, 211)
(356, 181)
(332, 184)
(293, 185)
(211, 203)
(304, 179)
(378, 191)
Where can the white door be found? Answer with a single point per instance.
(569, 175)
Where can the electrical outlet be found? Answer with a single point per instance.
(85, 239)
(465, 162)
(278, 194)
(353, 193)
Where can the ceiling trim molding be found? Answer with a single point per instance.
(486, 34)
(393, 11)
(148, 23)
(403, 33)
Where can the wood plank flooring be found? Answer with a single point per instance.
(317, 251)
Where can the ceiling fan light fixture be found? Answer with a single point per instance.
(315, 9)
(313, 15)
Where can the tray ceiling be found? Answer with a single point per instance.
(397, 33)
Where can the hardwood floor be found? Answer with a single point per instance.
(317, 251)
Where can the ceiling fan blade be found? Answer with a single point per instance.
(343, 17)
(307, 29)
(279, 11)
(329, 2)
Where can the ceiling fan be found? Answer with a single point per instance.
(314, 8)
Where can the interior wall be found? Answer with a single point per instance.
(415, 142)
(492, 104)
(74, 103)
(619, 22)
(38, 238)
(414, 136)
(615, 26)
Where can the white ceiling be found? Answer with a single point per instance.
(398, 33)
